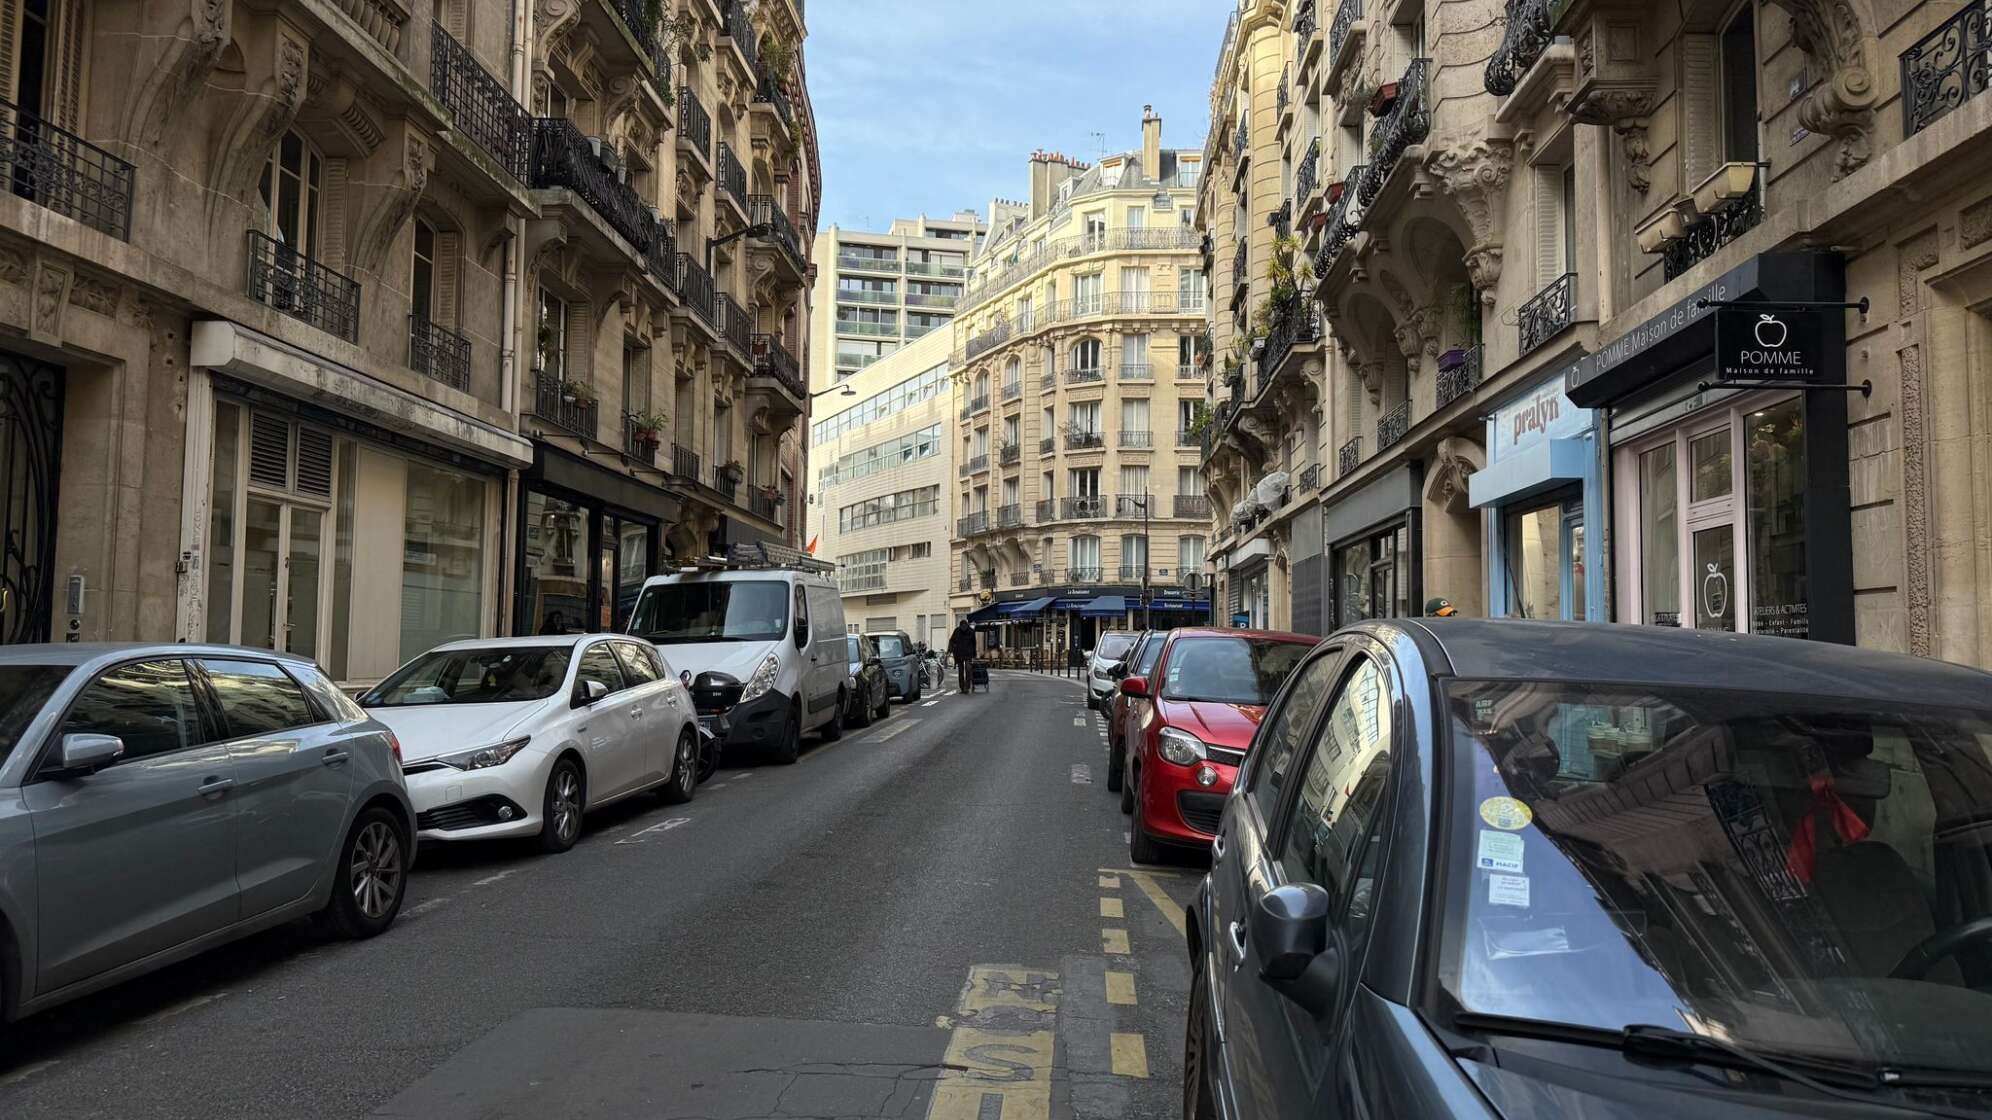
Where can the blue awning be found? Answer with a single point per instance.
(1011, 610)
(984, 614)
(1070, 604)
(1106, 606)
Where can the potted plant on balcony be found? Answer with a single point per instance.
(1380, 102)
(731, 471)
(577, 394)
(648, 425)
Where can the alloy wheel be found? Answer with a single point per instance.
(688, 764)
(375, 870)
(567, 804)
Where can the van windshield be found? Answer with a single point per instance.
(737, 611)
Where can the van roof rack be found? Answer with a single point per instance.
(762, 555)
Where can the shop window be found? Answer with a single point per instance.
(1544, 560)
(442, 570)
(1373, 577)
(1660, 544)
(555, 589)
(1774, 441)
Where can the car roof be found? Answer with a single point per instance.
(526, 640)
(83, 653)
(1223, 632)
(1519, 649)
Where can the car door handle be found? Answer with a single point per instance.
(213, 786)
(334, 757)
(1237, 930)
(636, 713)
(1217, 847)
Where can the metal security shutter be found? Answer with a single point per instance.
(269, 450)
(314, 462)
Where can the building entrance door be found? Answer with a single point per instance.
(30, 468)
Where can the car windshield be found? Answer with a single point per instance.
(734, 611)
(1113, 644)
(23, 691)
(1754, 867)
(498, 675)
(1230, 670)
(890, 645)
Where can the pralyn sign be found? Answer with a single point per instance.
(1774, 344)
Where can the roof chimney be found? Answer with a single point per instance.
(1151, 144)
(1040, 197)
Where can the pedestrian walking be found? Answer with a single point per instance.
(961, 644)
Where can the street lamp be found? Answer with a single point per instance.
(1144, 502)
(843, 390)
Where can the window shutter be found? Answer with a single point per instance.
(448, 263)
(1548, 225)
(1701, 120)
(269, 450)
(314, 462)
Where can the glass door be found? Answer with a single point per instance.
(1712, 581)
(282, 549)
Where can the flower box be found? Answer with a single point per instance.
(1731, 183)
(1452, 359)
(1661, 230)
(1384, 97)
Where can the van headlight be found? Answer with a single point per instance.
(762, 680)
(1180, 747)
(479, 758)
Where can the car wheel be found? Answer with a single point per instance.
(858, 713)
(1197, 1101)
(884, 703)
(370, 878)
(1116, 776)
(790, 748)
(1140, 847)
(915, 697)
(560, 810)
(684, 780)
(834, 729)
(1127, 790)
(709, 752)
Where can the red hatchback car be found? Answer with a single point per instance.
(1189, 724)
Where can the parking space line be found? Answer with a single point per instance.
(1110, 882)
(1171, 911)
(743, 776)
(928, 703)
(889, 732)
(1120, 988)
(421, 908)
(660, 826)
(1078, 721)
(1111, 908)
(1130, 1054)
(999, 1072)
(1114, 941)
(490, 879)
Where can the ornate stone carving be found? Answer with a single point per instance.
(51, 291)
(552, 21)
(191, 53)
(1915, 255)
(1476, 177)
(393, 203)
(260, 118)
(1915, 501)
(95, 294)
(1453, 462)
(1974, 223)
(1831, 34)
(13, 265)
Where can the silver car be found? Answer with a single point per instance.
(156, 801)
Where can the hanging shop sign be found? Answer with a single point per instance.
(1768, 343)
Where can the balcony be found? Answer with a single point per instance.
(1084, 507)
(1349, 456)
(1303, 26)
(282, 278)
(1344, 218)
(971, 524)
(773, 361)
(967, 582)
(1241, 263)
(1010, 516)
(762, 503)
(439, 353)
(1308, 176)
(883, 297)
(695, 287)
(639, 442)
(769, 92)
(1047, 508)
(1084, 573)
(1391, 426)
(1547, 313)
(1528, 34)
(935, 268)
(1280, 100)
(1047, 445)
(480, 106)
(1310, 478)
(1084, 375)
(975, 464)
(735, 327)
(1049, 381)
(1012, 390)
(684, 462)
(1134, 505)
(863, 262)
(764, 211)
(1136, 440)
(568, 405)
(1193, 506)
(888, 328)
(1187, 437)
(1711, 233)
(1136, 371)
(1241, 141)
(854, 362)
(1020, 578)
(932, 299)
(1293, 325)
(726, 480)
(1282, 219)
(740, 29)
(1456, 381)
(986, 341)
(564, 159)
(694, 126)
(1348, 16)
(1085, 441)
(1407, 123)
(1947, 67)
(732, 177)
(661, 261)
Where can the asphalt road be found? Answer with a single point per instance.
(933, 918)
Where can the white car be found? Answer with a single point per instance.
(521, 736)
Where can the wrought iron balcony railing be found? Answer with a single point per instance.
(975, 464)
(988, 340)
(285, 279)
(565, 404)
(1241, 140)
(1047, 445)
(480, 106)
(1344, 217)
(1303, 24)
(694, 123)
(1711, 233)
(1947, 67)
(740, 28)
(1192, 506)
(684, 461)
(1084, 573)
(1528, 34)
(726, 480)
(970, 524)
(1047, 509)
(1346, 15)
(1547, 312)
(1349, 457)
(977, 403)
(438, 352)
(1186, 437)
(772, 359)
(1080, 375)
(1136, 371)
(762, 504)
(1293, 325)
(1310, 477)
(1010, 516)
(1391, 426)
(62, 172)
(639, 442)
(1012, 390)
(734, 324)
(1010, 454)
(1132, 572)
(1134, 505)
(695, 286)
(1309, 172)
(769, 92)
(1456, 381)
(564, 158)
(732, 177)
(1407, 123)
(1241, 263)
(764, 210)
(632, 14)
(662, 259)
(1137, 439)
(1085, 440)
(1085, 506)
(1280, 100)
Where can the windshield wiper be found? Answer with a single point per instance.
(1646, 1040)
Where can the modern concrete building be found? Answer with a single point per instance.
(876, 292)
(1081, 388)
(321, 339)
(881, 464)
(1530, 354)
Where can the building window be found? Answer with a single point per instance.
(422, 281)
(1086, 291)
(1085, 557)
(552, 335)
(1189, 554)
(1086, 354)
(1739, 87)
(289, 190)
(1373, 577)
(1085, 417)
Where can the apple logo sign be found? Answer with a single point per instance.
(1771, 331)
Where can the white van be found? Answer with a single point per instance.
(761, 644)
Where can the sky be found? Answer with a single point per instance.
(933, 106)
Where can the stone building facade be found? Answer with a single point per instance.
(276, 282)
(1534, 241)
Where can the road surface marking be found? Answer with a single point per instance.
(928, 703)
(1170, 910)
(717, 785)
(880, 738)
(1130, 1055)
(182, 1008)
(1114, 941)
(743, 777)
(1120, 988)
(1110, 882)
(1078, 721)
(27, 1071)
(490, 879)
(1111, 908)
(1082, 774)
(1001, 1072)
(660, 826)
(424, 907)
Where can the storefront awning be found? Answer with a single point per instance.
(1201, 605)
(981, 615)
(1106, 606)
(1011, 610)
(1070, 604)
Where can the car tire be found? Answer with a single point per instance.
(684, 779)
(884, 704)
(1198, 1104)
(790, 748)
(1127, 792)
(859, 711)
(370, 878)
(833, 728)
(1141, 848)
(561, 807)
(915, 697)
(1116, 772)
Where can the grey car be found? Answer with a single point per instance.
(156, 801)
(901, 659)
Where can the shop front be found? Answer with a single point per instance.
(1541, 495)
(1375, 556)
(589, 537)
(1727, 433)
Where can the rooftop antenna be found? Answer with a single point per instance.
(1100, 141)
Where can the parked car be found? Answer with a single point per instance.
(1106, 653)
(1127, 713)
(763, 648)
(523, 736)
(1559, 870)
(901, 660)
(160, 800)
(1208, 692)
(869, 699)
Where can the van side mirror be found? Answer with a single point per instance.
(1134, 686)
(85, 753)
(587, 692)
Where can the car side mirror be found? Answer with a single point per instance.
(1134, 686)
(685, 677)
(1289, 932)
(1117, 670)
(587, 692)
(84, 753)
